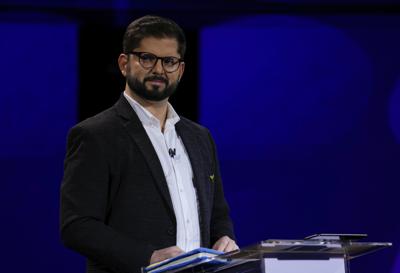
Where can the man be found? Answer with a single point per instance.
(142, 184)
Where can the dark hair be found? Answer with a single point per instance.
(153, 26)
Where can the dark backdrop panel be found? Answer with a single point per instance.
(304, 111)
(38, 103)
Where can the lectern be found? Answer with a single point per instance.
(324, 253)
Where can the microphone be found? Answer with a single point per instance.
(172, 152)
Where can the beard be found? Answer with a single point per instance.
(154, 94)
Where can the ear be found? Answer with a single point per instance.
(181, 70)
(123, 63)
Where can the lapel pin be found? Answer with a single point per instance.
(212, 177)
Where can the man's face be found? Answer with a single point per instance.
(154, 83)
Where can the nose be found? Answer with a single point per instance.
(158, 68)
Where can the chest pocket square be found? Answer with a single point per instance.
(212, 178)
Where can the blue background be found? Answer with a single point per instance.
(304, 109)
(305, 114)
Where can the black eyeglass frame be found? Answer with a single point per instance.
(139, 53)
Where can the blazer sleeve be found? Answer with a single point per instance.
(221, 223)
(83, 210)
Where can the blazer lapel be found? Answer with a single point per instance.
(135, 129)
(191, 142)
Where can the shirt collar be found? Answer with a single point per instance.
(148, 118)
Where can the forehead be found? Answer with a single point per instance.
(159, 46)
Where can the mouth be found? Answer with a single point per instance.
(157, 82)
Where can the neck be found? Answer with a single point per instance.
(156, 108)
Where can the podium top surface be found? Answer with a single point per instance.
(307, 248)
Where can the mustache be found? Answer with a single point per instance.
(156, 78)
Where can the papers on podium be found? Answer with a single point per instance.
(195, 256)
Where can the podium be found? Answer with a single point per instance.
(324, 253)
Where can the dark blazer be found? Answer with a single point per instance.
(115, 205)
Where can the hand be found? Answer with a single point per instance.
(165, 253)
(225, 244)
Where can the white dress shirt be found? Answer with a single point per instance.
(178, 173)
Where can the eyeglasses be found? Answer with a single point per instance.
(149, 60)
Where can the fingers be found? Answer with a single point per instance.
(225, 244)
(231, 246)
(220, 245)
(173, 251)
(165, 253)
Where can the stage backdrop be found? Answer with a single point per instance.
(304, 109)
(38, 103)
(305, 112)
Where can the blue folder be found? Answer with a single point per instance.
(185, 259)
